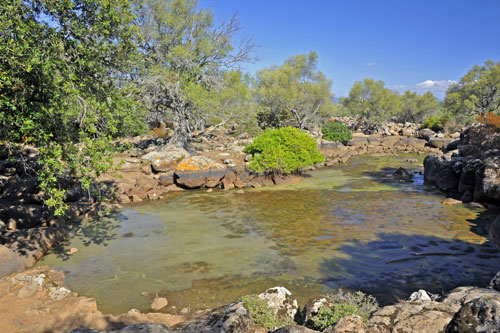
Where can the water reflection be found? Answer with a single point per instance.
(353, 226)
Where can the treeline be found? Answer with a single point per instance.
(77, 74)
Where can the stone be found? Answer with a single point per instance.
(195, 171)
(144, 328)
(166, 179)
(166, 160)
(71, 251)
(145, 183)
(58, 293)
(425, 134)
(420, 295)
(495, 281)
(440, 142)
(10, 262)
(281, 301)
(479, 315)
(440, 171)
(239, 184)
(136, 199)
(228, 161)
(248, 157)
(403, 174)
(451, 202)
(348, 324)
(123, 198)
(230, 318)
(494, 231)
(228, 180)
(467, 197)
(159, 303)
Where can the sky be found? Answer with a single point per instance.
(416, 45)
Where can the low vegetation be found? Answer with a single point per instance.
(262, 314)
(336, 131)
(435, 123)
(341, 305)
(283, 151)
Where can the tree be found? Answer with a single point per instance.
(295, 93)
(415, 108)
(477, 93)
(372, 101)
(183, 51)
(63, 81)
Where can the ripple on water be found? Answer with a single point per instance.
(351, 226)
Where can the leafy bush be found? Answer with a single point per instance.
(284, 150)
(262, 314)
(336, 131)
(341, 305)
(435, 123)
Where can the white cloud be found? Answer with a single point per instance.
(370, 64)
(438, 88)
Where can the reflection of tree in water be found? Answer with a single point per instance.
(90, 232)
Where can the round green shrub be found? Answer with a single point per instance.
(435, 123)
(336, 131)
(284, 150)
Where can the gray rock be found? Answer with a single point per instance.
(440, 142)
(425, 134)
(165, 160)
(420, 295)
(495, 281)
(281, 301)
(58, 294)
(226, 319)
(348, 324)
(479, 315)
(10, 262)
(294, 329)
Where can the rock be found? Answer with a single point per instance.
(348, 324)
(451, 202)
(167, 160)
(412, 160)
(440, 172)
(159, 303)
(123, 198)
(136, 199)
(10, 262)
(311, 309)
(230, 318)
(467, 197)
(31, 284)
(403, 174)
(145, 183)
(479, 315)
(487, 187)
(144, 328)
(281, 301)
(420, 295)
(248, 157)
(495, 281)
(71, 251)
(228, 180)
(239, 184)
(166, 179)
(494, 231)
(440, 142)
(228, 161)
(195, 171)
(425, 134)
(453, 145)
(294, 329)
(58, 293)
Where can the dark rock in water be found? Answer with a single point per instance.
(479, 315)
(440, 171)
(403, 174)
(494, 232)
(294, 329)
(230, 318)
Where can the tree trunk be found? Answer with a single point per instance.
(181, 130)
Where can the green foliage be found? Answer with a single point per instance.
(435, 123)
(262, 314)
(283, 150)
(336, 131)
(414, 107)
(372, 101)
(341, 305)
(477, 93)
(63, 82)
(294, 94)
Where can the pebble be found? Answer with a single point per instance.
(71, 251)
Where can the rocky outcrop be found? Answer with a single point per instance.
(472, 171)
(281, 301)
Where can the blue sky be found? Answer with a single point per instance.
(409, 44)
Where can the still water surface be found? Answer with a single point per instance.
(352, 226)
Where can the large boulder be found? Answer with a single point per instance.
(479, 315)
(230, 318)
(425, 134)
(487, 185)
(440, 143)
(165, 160)
(441, 172)
(196, 171)
(494, 232)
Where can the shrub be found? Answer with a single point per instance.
(491, 121)
(262, 314)
(341, 305)
(336, 131)
(435, 123)
(284, 150)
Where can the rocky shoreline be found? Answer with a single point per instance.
(38, 301)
